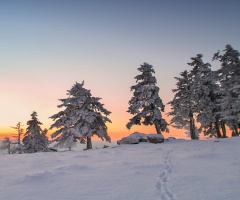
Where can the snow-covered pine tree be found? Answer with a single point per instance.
(230, 87)
(183, 106)
(146, 103)
(208, 105)
(35, 139)
(205, 95)
(43, 141)
(196, 74)
(83, 117)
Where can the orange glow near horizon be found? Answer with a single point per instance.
(115, 132)
(118, 132)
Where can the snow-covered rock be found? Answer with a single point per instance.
(137, 137)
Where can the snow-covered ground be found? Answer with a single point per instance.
(175, 169)
(97, 144)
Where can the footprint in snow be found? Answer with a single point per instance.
(161, 184)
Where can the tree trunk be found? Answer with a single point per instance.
(224, 132)
(157, 128)
(19, 138)
(192, 127)
(9, 147)
(89, 143)
(219, 135)
(235, 128)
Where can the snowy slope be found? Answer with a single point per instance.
(175, 169)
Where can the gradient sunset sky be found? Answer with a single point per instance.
(48, 45)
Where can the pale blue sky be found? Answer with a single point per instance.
(47, 45)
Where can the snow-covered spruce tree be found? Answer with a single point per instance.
(146, 103)
(35, 139)
(83, 117)
(230, 87)
(43, 141)
(208, 106)
(183, 106)
(205, 93)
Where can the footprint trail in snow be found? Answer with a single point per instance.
(161, 184)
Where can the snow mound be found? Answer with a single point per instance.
(137, 137)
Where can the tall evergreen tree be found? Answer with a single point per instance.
(199, 68)
(230, 87)
(83, 117)
(205, 94)
(183, 106)
(35, 139)
(208, 105)
(146, 103)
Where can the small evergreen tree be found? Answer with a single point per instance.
(35, 139)
(230, 87)
(146, 103)
(183, 105)
(43, 141)
(83, 117)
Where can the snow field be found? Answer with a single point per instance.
(173, 170)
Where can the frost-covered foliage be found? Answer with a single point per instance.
(19, 148)
(199, 68)
(208, 106)
(6, 144)
(205, 93)
(35, 139)
(212, 97)
(83, 117)
(230, 87)
(146, 103)
(43, 141)
(196, 96)
(12, 146)
(183, 105)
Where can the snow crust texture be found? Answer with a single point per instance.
(173, 170)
